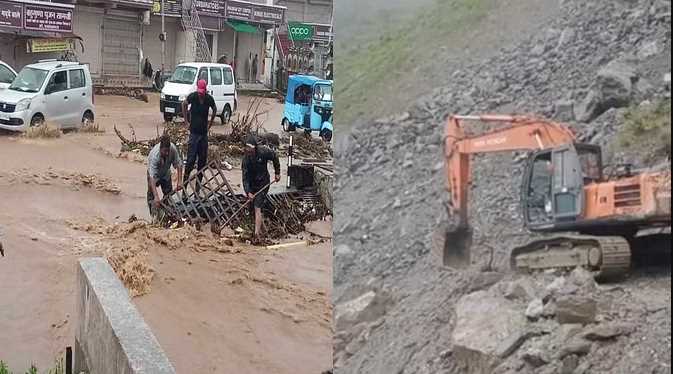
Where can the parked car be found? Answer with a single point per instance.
(7, 75)
(59, 92)
(221, 86)
(309, 105)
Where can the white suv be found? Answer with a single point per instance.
(59, 92)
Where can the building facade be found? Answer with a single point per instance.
(121, 39)
(34, 28)
(312, 55)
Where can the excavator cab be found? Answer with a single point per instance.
(553, 185)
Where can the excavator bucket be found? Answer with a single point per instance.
(452, 245)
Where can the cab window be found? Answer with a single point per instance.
(203, 74)
(216, 76)
(58, 82)
(228, 76)
(6, 75)
(77, 79)
(540, 189)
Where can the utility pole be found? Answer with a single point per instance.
(273, 57)
(163, 40)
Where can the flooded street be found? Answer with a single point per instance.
(249, 310)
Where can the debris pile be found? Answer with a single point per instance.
(308, 147)
(286, 213)
(135, 93)
(178, 133)
(213, 201)
(221, 146)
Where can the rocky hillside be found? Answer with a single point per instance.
(602, 66)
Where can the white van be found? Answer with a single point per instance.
(59, 92)
(221, 86)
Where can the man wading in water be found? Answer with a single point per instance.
(256, 178)
(197, 120)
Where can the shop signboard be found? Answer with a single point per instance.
(268, 14)
(300, 31)
(48, 45)
(322, 33)
(11, 14)
(210, 23)
(208, 7)
(250, 12)
(172, 8)
(47, 18)
(238, 10)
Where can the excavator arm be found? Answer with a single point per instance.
(512, 133)
(515, 133)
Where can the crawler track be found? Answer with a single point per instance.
(608, 257)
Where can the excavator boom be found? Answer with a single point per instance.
(514, 133)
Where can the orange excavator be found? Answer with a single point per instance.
(564, 190)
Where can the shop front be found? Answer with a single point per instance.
(36, 30)
(247, 31)
(113, 34)
(306, 48)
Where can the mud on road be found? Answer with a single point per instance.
(215, 307)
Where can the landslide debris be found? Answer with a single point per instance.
(589, 66)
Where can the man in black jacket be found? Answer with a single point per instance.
(256, 178)
(196, 118)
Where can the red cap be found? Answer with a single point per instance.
(201, 86)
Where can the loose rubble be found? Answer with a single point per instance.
(585, 66)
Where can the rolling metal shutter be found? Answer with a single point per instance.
(121, 39)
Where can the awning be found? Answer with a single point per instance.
(243, 27)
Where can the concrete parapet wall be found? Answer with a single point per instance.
(323, 180)
(111, 336)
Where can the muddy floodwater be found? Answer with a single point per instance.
(242, 310)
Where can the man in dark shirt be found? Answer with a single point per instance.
(256, 178)
(197, 120)
(162, 156)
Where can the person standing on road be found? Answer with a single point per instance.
(256, 178)
(255, 64)
(159, 162)
(197, 119)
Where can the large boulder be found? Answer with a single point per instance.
(576, 309)
(615, 83)
(589, 108)
(608, 331)
(365, 308)
(614, 88)
(484, 322)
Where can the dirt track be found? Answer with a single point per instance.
(247, 311)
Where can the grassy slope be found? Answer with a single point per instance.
(647, 130)
(373, 75)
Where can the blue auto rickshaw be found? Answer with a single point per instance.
(309, 106)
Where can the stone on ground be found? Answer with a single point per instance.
(576, 309)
